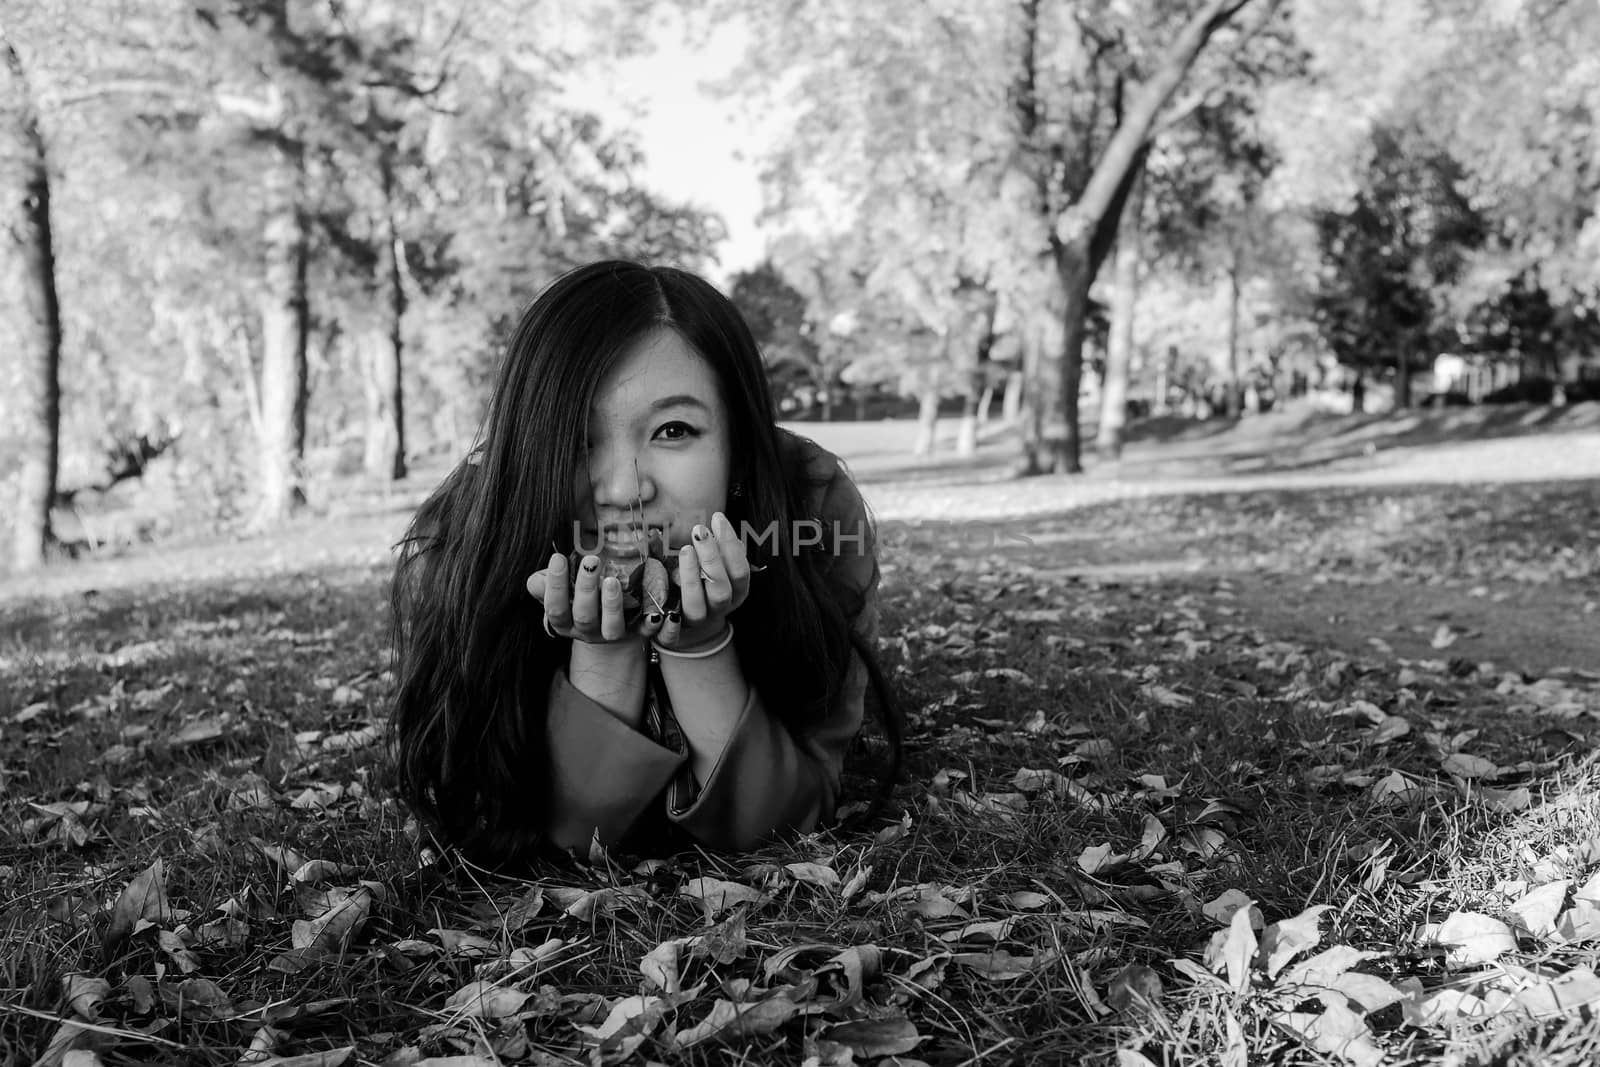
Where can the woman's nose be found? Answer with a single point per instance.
(617, 478)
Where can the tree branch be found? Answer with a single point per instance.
(1077, 224)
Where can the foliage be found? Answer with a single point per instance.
(1384, 258)
(163, 130)
(776, 312)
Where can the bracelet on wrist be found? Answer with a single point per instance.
(702, 653)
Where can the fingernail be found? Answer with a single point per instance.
(674, 617)
(701, 533)
(611, 587)
(654, 618)
(591, 565)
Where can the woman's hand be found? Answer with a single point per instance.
(590, 609)
(714, 578)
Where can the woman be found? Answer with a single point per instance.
(696, 669)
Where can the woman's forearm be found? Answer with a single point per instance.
(612, 675)
(708, 695)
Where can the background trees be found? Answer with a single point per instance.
(264, 240)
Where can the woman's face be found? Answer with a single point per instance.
(658, 450)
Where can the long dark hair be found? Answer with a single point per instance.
(473, 664)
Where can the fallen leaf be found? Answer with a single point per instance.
(627, 1025)
(1000, 965)
(718, 896)
(483, 1000)
(198, 999)
(1027, 900)
(728, 1020)
(1538, 910)
(872, 1038)
(1392, 728)
(1573, 991)
(1470, 938)
(1167, 698)
(525, 910)
(1440, 1009)
(182, 958)
(143, 900)
(1238, 949)
(464, 943)
(813, 874)
(1287, 938)
(1325, 967)
(660, 966)
(1222, 909)
(332, 1058)
(1579, 923)
(997, 931)
(337, 927)
(1467, 766)
(1134, 986)
(1097, 858)
(84, 994)
(1507, 800)
(1337, 1031)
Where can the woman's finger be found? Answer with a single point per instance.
(713, 575)
(557, 597)
(734, 560)
(652, 623)
(613, 627)
(671, 627)
(693, 591)
(586, 597)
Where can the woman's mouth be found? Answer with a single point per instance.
(622, 543)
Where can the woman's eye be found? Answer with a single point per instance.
(677, 431)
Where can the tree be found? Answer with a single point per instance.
(25, 171)
(776, 312)
(1384, 258)
(1083, 203)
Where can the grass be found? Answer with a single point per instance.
(1099, 756)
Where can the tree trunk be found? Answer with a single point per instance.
(977, 392)
(385, 456)
(1402, 378)
(927, 441)
(1119, 348)
(1164, 374)
(39, 328)
(1233, 334)
(285, 333)
(1084, 232)
(1034, 386)
(1066, 437)
(1011, 399)
(967, 430)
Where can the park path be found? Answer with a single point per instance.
(1470, 533)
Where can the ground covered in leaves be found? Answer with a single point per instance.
(1144, 820)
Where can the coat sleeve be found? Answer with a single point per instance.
(768, 779)
(604, 773)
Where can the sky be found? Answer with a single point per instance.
(697, 149)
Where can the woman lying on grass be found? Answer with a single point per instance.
(639, 611)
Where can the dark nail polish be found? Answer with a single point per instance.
(654, 618)
(702, 534)
(590, 567)
(674, 617)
